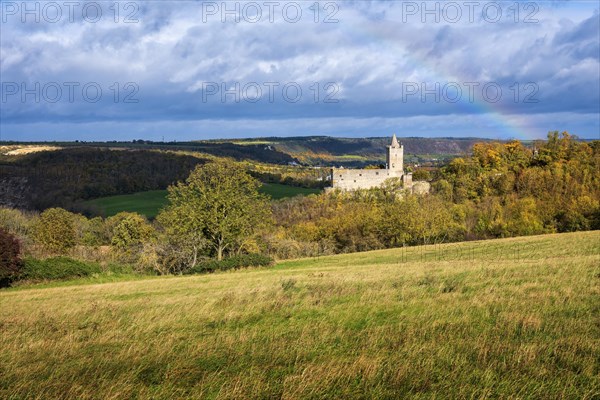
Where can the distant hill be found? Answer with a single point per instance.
(309, 150)
(325, 150)
(374, 146)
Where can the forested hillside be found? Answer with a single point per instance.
(62, 177)
(236, 151)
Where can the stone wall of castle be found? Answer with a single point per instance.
(352, 179)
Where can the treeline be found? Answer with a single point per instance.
(58, 244)
(253, 152)
(228, 149)
(501, 190)
(556, 182)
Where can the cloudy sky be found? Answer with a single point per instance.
(198, 70)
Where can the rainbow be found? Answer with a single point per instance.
(497, 116)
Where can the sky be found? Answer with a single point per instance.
(191, 70)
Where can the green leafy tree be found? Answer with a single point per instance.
(55, 230)
(220, 203)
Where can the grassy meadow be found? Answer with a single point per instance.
(149, 203)
(511, 318)
(277, 191)
(146, 203)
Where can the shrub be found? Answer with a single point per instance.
(57, 268)
(93, 232)
(421, 175)
(10, 258)
(129, 233)
(236, 262)
(15, 222)
(55, 230)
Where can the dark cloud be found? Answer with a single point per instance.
(370, 56)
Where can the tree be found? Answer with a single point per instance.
(219, 203)
(521, 217)
(129, 233)
(443, 188)
(10, 258)
(93, 232)
(418, 220)
(55, 230)
(171, 254)
(15, 222)
(421, 175)
(431, 220)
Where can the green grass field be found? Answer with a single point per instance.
(511, 318)
(149, 203)
(277, 191)
(145, 203)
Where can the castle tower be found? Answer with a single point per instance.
(395, 156)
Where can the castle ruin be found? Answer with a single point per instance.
(353, 179)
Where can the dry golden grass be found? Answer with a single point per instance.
(19, 150)
(514, 318)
